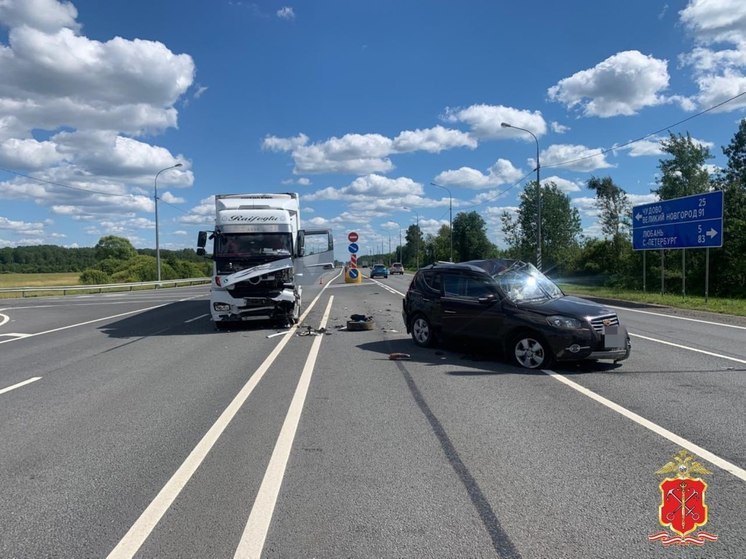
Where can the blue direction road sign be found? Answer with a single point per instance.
(353, 273)
(353, 248)
(688, 222)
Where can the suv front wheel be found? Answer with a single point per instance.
(422, 331)
(530, 351)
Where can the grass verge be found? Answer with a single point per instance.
(713, 304)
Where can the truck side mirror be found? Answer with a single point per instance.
(201, 240)
(201, 252)
(301, 244)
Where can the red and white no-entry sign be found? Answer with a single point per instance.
(352, 237)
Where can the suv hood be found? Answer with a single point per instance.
(567, 305)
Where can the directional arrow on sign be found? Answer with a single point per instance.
(711, 233)
(638, 216)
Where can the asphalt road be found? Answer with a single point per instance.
(130, 427)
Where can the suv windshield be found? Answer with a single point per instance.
(524, 282)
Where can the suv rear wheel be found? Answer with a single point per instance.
(530, 351)
(422, 331)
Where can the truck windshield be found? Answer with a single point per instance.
(250, 245)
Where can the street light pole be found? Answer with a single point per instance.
(155, 198)
(417, 232)
(450, 214)
(538, 191)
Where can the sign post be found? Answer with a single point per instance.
(694, 221)
(352, 274)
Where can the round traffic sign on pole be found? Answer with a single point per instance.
(352, 237)
(353, 273)
(353, 248)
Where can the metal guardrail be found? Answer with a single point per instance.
(31, 291)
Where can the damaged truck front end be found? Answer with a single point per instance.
(259, 292)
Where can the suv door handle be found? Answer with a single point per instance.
(449, 312)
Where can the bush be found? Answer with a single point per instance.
(94, 277)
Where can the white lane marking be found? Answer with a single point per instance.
(705, 352)
(255, 532)
(14, 336)
(655, 428)
(24, 383)
(84, 323)
(679, 317)
(387, 287)
(195, 318)
(144, 525)
(3, 319)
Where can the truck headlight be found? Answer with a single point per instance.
(221, 307)
(565, 322)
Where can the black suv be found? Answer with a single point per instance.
(513, 304)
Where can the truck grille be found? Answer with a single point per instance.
(598, 323)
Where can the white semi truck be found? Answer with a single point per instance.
(262, 258)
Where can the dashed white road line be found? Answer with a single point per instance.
(144, 525)
(195, 318)
(255, 532)
(19, 385)
(740, 473)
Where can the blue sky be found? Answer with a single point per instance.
(358, 106)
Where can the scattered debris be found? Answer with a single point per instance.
(277, 334)
(311, 331)
(399, 356)
(359, 322)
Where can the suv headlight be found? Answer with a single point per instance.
(565, 322)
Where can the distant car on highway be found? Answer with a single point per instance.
(513, 305)
(397, 268)
(379, 270)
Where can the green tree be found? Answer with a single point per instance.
(441, 244)
(470, 240)
(414, 249)
(614, 216)
(728, 262)
(560, 232)
(684, 173)
(614, 207)
(112, 246)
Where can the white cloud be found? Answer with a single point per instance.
(362, 189)
(502, 172)
(558, 128)
(171, 199)
(28, 154)
(103, 94)
(485, 120)
(574, 157)
(286, 12)
(563, 184)
(362, 154)
(432, 140)
(718, 72)
(21, 227)
(716, 21)
(273, 143)
(45, 15)
(620, 85)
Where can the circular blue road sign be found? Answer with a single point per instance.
(353, 248)
(353, 273)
